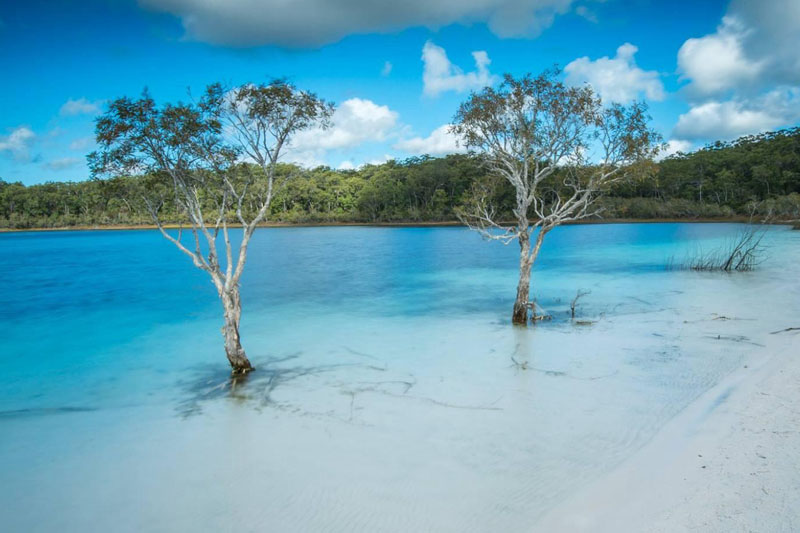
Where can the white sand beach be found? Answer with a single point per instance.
(729, 462)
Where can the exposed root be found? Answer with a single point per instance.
(253, 388)
(543, 315)
(241, 372)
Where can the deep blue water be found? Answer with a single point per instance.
(76, 305)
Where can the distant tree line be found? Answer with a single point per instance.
(755, 174)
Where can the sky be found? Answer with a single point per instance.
(397, 71)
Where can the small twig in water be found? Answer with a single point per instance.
(360, 354)
(581, 293)
(784, 330)
(407, 384)
(734, 338)
(557, 373)
(520, 366)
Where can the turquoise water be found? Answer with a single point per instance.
(386, 397)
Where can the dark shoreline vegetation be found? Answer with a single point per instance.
(438, 224)
(752, 176)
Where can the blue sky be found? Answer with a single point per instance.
(709, 70)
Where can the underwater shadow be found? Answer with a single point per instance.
(214, 382)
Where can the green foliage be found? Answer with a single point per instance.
(758, 174)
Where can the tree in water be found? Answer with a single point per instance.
(215, 160)
(558, 148)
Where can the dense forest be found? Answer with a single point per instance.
(752, 175)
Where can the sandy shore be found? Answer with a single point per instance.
(729, 462)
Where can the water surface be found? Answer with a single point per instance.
(389, 394)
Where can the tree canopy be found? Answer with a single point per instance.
(760, 172)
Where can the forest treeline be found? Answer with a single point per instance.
(753, 175)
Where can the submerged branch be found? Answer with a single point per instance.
(743, 254)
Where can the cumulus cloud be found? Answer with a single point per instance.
(17, 143)
(379, 160)
(302, 23)
(745, 77)
(717, 62)
(349, 165)
(674, 146)
(81, 106)
(616, 79)
(356, 121)
(440, 75)
(754, 46)
(772, 37)
(733, 118)
(439, 142)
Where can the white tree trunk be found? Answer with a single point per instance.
(232, 306)
(527, 257)
(520, 314)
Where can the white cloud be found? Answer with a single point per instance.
(674, 146)
(387, 69)
(355, 122)
(17, 143)
(730, 119)
(349, 165)
(302, 23)
(717, 62)
(745, 77)
(772, 37)
(616, 79)
(82, 106)
(62, 163)
(439, 142)
(441, 75)
(380, 160)
(755, 46)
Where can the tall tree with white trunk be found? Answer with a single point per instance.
(216, 160)
(558, 147)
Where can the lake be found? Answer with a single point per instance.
(390, 393)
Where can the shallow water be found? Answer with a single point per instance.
(387, 397)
